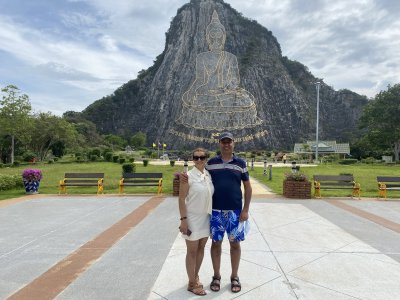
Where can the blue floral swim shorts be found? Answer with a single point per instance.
(226, 220)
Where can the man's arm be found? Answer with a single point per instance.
(247, 198)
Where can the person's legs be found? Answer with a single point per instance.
(216, 249)
(235, 257)
(200, 255)
(191, 255)
(216, 262)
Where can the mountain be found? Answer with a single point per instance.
(192, 93)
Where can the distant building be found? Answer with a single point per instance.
(324, 147)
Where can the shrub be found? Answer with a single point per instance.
(79, 159)
(16, 163)
(128, 168)
(172, 163)
(29, 156)
(108, 156)
(115, 158)
(8, 182)
(349, 161)
(77, 154)
(121, 160)
(51, 161)
(145, 162)
(55, 158)
(131, 159)
(93, 157)
(95, 151)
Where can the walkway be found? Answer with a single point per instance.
(129, 247)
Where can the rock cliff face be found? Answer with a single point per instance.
(282, 90)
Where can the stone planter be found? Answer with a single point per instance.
(175, 187)
(297, 189)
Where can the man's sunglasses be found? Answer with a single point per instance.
(199, 157)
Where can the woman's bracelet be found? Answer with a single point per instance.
(183, 218)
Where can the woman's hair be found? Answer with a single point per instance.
(200, 150)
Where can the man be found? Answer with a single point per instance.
(227, 173)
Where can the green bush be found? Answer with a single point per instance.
(121, 160)
(1, 165)
(16, 163)
(95, 151)
(108, 156)
(172, 163)
(51, 161)
(131, 159)
(145, 162)
(115, 158)
(93, 157)
(349, 161)
(29, 156)
(128, 168)
(8, 182)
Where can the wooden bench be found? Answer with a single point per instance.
(141, 179)
(336, 182)
(82, 179)
(386, 183)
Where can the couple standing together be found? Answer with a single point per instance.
(210, 204)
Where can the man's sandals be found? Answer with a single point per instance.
(196, 288)
(236, 287)
(215, 284)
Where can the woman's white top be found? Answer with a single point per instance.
(199, 203)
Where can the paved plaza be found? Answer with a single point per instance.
(129, 247)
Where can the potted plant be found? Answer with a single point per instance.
(296, 185)
(31, 179)
(175, 184)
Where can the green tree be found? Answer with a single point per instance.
(48, 131)
(15, 117)
(138, 139)
(115, 141)
(381, 118)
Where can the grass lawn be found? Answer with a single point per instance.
(53, 173)
(365, 174)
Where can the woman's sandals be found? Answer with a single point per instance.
(215, 284)
(196, 289)
(236, 287)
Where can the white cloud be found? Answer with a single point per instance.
(88, 48)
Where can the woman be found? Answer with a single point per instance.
(195, 205)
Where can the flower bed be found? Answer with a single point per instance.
(297, 186)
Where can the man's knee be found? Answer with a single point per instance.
(235, 246)
(216, 245)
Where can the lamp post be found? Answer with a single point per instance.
(317, 84)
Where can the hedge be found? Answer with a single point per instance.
(8, 182)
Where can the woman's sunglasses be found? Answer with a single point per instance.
(199, 157)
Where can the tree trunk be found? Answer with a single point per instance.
(12, 149)
(396, 151)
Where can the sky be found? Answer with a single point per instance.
(65, 54)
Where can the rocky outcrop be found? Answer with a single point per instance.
(284, 95)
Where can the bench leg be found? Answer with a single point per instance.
(100, 189)
(159, 190)
(356, 191)
(317, 192)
